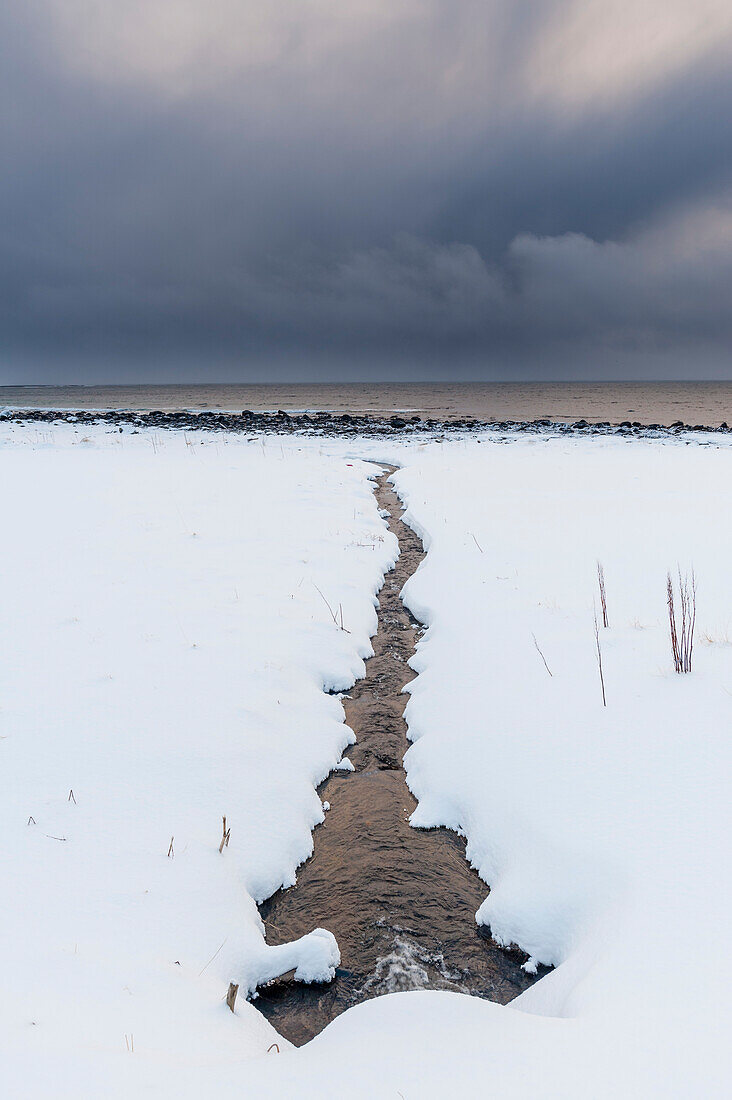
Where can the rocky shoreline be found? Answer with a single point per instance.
(335, 424)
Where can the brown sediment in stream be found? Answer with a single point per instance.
(400, 901)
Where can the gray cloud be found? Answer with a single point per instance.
(272, 190)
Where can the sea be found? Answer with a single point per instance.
(706, 403)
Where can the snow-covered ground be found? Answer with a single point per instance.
(164, 650)
(165, 644)
(604, 832)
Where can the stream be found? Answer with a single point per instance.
(400, 901)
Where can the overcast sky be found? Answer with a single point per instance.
(334, 189)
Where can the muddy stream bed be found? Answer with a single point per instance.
(400, 901)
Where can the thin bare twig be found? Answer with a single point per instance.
(214, 955)
(332, 612)
(599, 659)
(476, 542)
(538, 650)
(603, 596)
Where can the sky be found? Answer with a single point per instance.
(234, 190)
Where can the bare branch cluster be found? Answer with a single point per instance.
(681, 630)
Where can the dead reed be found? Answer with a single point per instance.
(225, 837)
(681, 630)
(603, 595)
(599, 659)
(538, 650)
(332, 612)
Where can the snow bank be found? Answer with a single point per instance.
(166, 639)
(604, 832)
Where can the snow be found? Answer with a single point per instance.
(165, 650)
(313, 958)
(344, 765)
(167, 653)
(604, 832)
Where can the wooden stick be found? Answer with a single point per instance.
(231, 995)
(225, 836)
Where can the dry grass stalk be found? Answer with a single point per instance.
(130, 1043)
(225, 836)
(332, 612)
(214, 955)
(71, 797)
(274, 1046)
(603, 595)
(682, 640)
(171, 853)
(231, 995)
(538, 650)
(599, 659)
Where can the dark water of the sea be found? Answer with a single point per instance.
(708, 403)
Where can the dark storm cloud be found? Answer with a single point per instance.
(493, 189)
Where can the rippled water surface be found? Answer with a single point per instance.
(400, 901)
(707, 403)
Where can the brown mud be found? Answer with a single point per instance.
(400, 901)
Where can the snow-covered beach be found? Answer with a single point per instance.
(168, 645)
